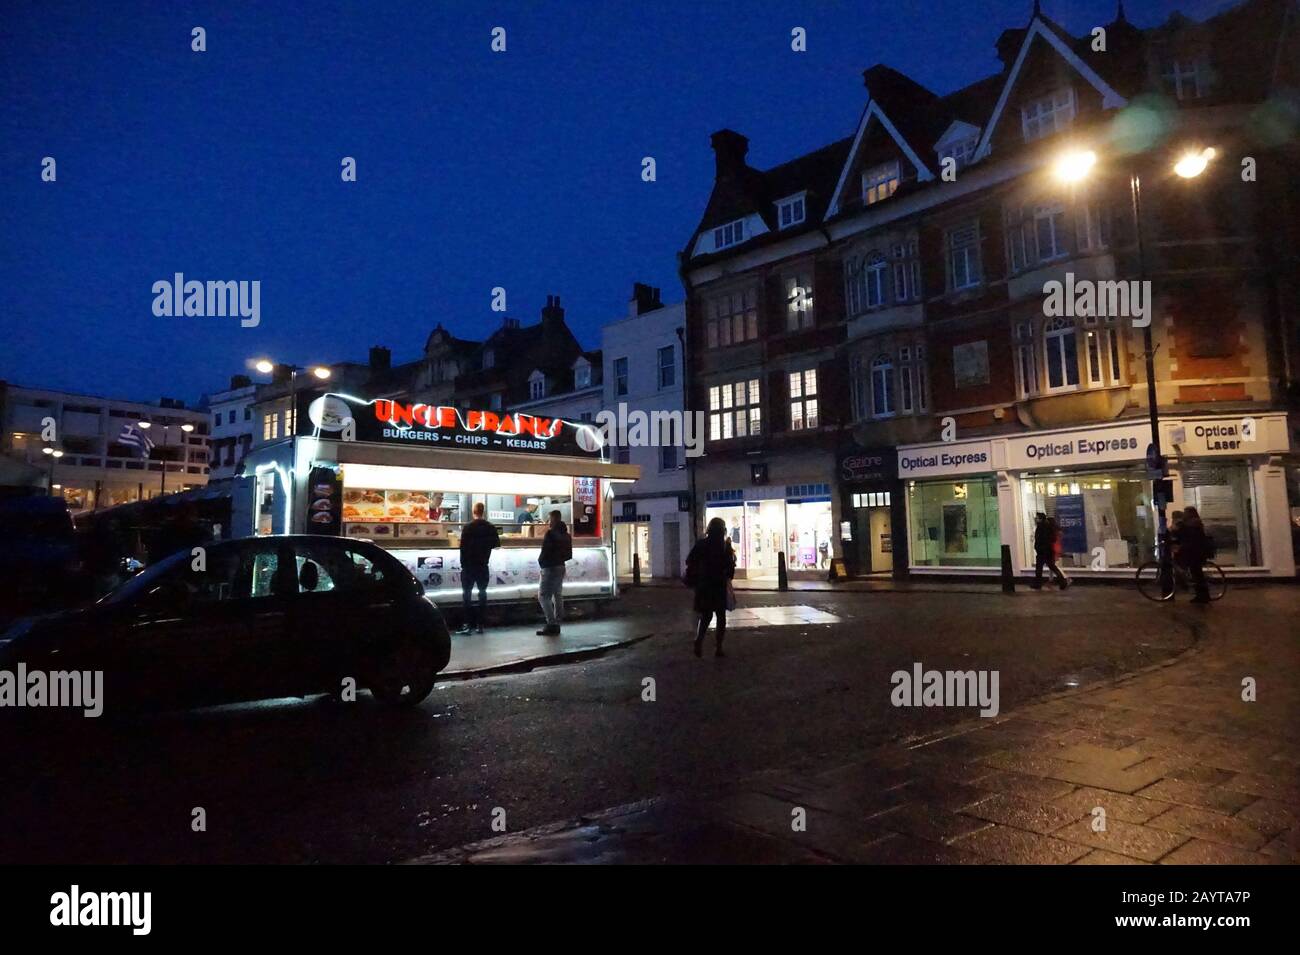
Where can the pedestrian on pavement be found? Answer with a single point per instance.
(710, 567)
(1195, 547)
(557, 548)
(1046, 534)
(477, 541)
(1175, 532)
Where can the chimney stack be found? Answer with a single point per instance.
(552, 314)
(381, 359)
(240, 381)
(1008, 46)
(645, 298)
(729, 149)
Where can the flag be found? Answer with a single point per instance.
(136, 437)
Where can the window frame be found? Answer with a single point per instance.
(972, 257)
(886, 174)
(1038, 116)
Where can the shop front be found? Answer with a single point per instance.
(873, 528)
(408, 477)
(1094, 483)
(766, 522)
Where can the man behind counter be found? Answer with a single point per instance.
(477, 541)
(528, 515)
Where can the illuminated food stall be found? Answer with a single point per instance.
(407, 476)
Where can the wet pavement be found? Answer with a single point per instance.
(1172, 765)
(713, 755)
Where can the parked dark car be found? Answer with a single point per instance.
(266, 617)
(40, 561)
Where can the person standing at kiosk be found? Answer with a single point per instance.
(557, 549)
(477, 541)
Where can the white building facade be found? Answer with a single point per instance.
(643, 372)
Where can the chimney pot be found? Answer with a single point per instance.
(729, 149)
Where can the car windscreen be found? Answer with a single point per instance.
(146, 579)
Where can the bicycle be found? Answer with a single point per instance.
(1148, 580)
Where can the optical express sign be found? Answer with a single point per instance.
(1061, 449)
(384, 421)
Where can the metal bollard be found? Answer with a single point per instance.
(1008, 576)
(636, 569)
(782, 579)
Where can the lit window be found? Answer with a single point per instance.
(880, 182)
(1048, 114)
(734, 410)
(270, 427)
(803, 399)
(799, 301)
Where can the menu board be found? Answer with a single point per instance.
(324, 501)
(398, 507)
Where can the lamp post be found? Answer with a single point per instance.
(187, 428)
(54, 454)
(1073, 167)
(320, 373)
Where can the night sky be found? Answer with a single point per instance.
(475, 169)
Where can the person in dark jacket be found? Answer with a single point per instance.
(1045, 535)
(1193, 551)
(477, 541)
(557, 549)
(710, 568)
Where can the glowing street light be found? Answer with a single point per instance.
(1192, 164)
(1075, 165)
(264, 366)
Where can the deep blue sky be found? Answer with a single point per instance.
(475, 169)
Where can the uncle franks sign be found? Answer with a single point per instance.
(388, 421)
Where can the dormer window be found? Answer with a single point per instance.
(536, 385)
(1188, 77)
(880, 182)
(1047, 114)
(582, 375)
(733, 233)
(960, 152)
(790, 211)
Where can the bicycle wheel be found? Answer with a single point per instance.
(1148, 581)
(1216, 580)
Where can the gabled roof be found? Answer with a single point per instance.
(922, 119)
(1064, 45)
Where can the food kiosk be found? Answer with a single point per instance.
(407, 475)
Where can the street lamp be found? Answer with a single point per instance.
(1072, 167)
(320, 373)
(187, 428)
(54, 454)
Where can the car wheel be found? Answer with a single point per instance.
(405, 675)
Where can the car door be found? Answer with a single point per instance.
(165, 647)
(258, 666)
(324, 613)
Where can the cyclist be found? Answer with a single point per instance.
(1195, 547)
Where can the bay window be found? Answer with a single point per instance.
(732, 318)
(1061, 355)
